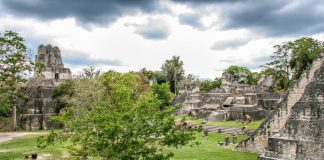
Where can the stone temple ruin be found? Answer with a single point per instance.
(231, 101)
(41, 104)
(294, 123)
(295, 128)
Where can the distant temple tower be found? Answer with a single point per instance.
(52, 67)
(41, 104)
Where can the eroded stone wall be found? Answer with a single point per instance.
(295, 128)
(41, 104)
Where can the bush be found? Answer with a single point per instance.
(208, 85)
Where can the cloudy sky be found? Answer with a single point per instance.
(208, 35)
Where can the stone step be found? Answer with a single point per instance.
(269, 155)
(291, 139)
(227, 130)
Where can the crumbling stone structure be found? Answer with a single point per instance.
(41, 104)
(231, 101)
(294, 130)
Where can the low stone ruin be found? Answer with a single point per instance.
(231, 101)
(41, 104)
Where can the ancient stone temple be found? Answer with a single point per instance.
(41, 104)
(231, 101)
(295, 128)
(302, 136)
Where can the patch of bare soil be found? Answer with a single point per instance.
(7, 136)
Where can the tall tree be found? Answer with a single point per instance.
(14, 65)
(304, 52)
(107, 117)
(174, 71)
(291, 59)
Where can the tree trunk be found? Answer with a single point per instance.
(175, 79)
(14, 117)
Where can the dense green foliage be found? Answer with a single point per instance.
(174, 71)
(243, 75)
(208, 85)
(156, 76)
(5, 104)
(162, 91)
(291, 59)
(14, 65)
(304, 52)
(109, 116)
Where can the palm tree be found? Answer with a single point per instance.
(173, 69)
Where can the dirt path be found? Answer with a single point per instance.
(7, 136)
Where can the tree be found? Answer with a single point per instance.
(208, 85)
(282, 81)
(107, 117)
(291, 59)
(243, 75)
(162, 91)
(304, 52)
(156, 76)
(174, 71)
(14, 66)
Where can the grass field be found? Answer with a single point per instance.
(208, 149)
(26, 145)
(253, 125)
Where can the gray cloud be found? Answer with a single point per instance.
(206, 1)
(229, 44)
(85, 11)
(154, 29)
(191, 19)
(269, 17)
(277, 17)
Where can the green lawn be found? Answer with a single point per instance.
(208, 149)
(253, 125)
(26, 145)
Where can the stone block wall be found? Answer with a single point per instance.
(295, 129)
(41, 105)
(299, 117)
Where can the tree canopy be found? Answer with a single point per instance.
(108, 116)
(156, 76)
(208, 85)
(14, 66)
(291, 59)
(243, 75)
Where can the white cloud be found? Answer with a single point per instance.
(121, 43)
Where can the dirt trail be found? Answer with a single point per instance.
(7, 136)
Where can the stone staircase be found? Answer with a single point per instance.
(302, 136)
(296, 123)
